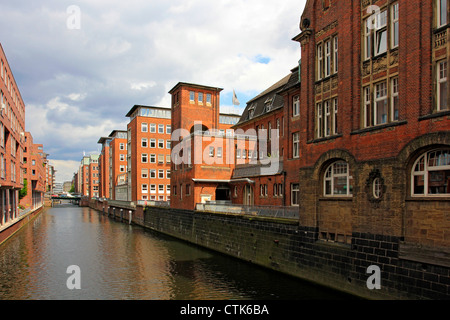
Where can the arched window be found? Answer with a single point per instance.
(337, 180)
(431, 174)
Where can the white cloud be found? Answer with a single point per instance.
(78, 85)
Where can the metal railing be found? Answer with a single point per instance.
(262, 211)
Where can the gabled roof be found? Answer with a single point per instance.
(271, 98)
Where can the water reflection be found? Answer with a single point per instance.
(119, 261)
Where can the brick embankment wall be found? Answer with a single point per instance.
(287, 247)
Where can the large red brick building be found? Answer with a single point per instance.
(148, 144)
(375, 121)
(203, 146)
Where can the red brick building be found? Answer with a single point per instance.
(35, 173)
(12, 136)
(203, 146)
(104, 168)
(375, 121)
(148, 158)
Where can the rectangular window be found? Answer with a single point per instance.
(211, 151)
(381, 33)
(160, 128)
(208, 98)
(153, 188)
(296, 106)
(161, 188)
(161, 143)
(122, 169)
(442, 86)
(144, 142)
(144, 127)
(368, 38)
(335, 58)
(161, 174)
(192, 96)
(319, 120)
(144, 173)
(335, 120)
(167, 158)
(153, 174)
(152, 143)
(319, 62)
(144, 188)
(367, 107)
(144, 158)
(327, 118)
(161, 158)
(122, 146)
(152, 128)
(168, 144)
(168, 129)
(295, 190)
(219, 152)
(200, 98)
(167, 174)
(441, 13)
(381, 102)
(153, 158)
(295, 145)
(394, 100)
(327, 68)
(394, 26)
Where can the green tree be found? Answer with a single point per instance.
(23, 192)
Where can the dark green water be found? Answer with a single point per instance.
(122, 262)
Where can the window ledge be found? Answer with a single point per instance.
(379, 127)
(429, 198)
(325, 139)
(435, 115)
(336, 198)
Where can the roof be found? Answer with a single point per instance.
(271, 98)
(103, 140)
(135, 107)
(193, 85)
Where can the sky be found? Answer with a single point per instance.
(82, 65)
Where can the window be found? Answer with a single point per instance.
(219, 152)
(161, 174)
(367, 107)
(441, 13)
(335, 58)
(161, 188)
(122, 168)
(152, 173)
(167, 174)
(153, 188)
(327, 68)
(208, 98)
(381, 103)
(167, 158)
(295, 145)
(394, 100)
(144, 173)
(161, 158)
(168, 129)
(337, 180)
(152, 143)
(152, 128)
(442, 86)
(168, 144)
(367, 39)
(122, 146)
(431, 174)
(326, 118)
(161, 143)
(211, 151)
(144, 127)
(295, 193)
(319, 121)
(380, 33)
(144, 188)
(153, 158)
(144, 142)
(394, 27)
(192, 96)
(296, 106)
(200, 98)
(377, 188)
(144, 158)
(160, 128)
(319, 62)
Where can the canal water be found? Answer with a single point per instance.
(118, 261)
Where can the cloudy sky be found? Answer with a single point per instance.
(82, 65)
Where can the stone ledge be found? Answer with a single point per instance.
(424, 254)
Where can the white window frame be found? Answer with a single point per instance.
(331, 173)
(144, 188)
(327, 68)
(335, 54)
(296, 145)
(442, 78)
(394, 100)
(425, 173)
(395, 31)
(380, 32)
(144, 142)
(144, 158)
(295, 106)
(295, 194)
(152, 127)
(380, 96)
(319, 120)
(144, 127)
(319, 61)
(367, 107)
(441, 6)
